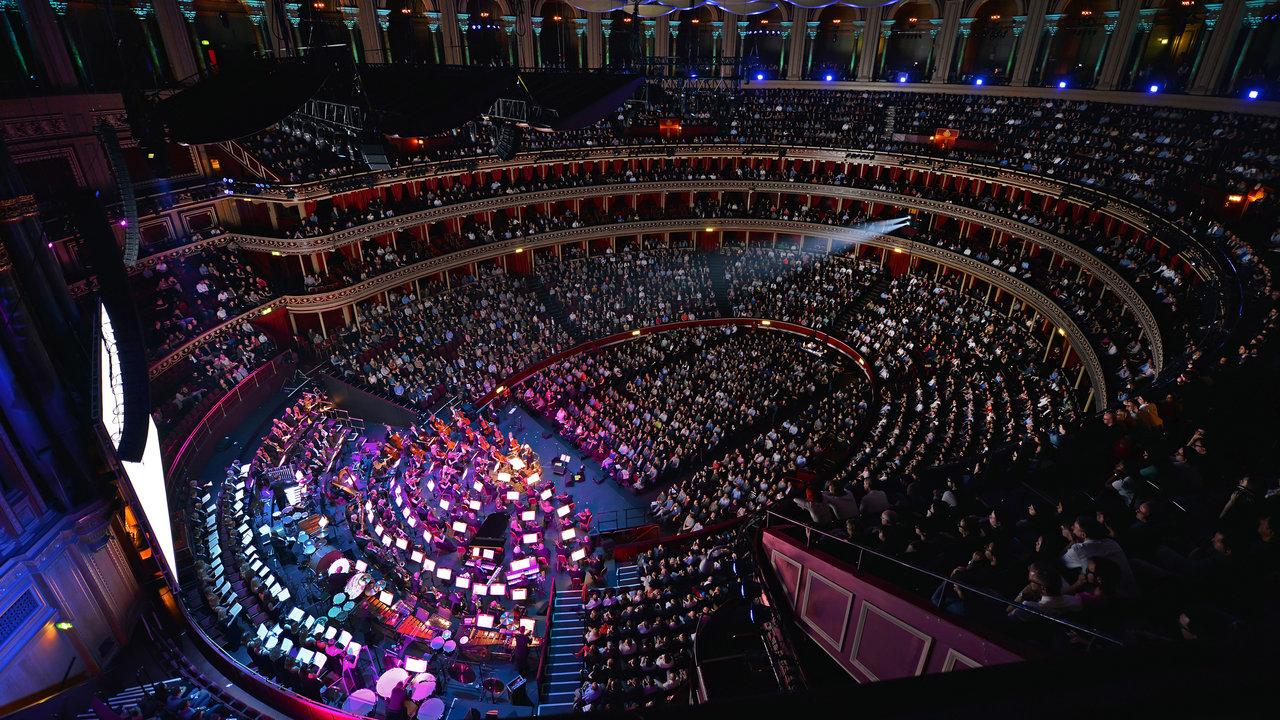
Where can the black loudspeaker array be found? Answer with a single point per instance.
(506, 140)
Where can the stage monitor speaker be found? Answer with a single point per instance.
(519, 691)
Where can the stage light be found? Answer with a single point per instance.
(1153, 89)
(830, 77)
(978, 81)
(759, 76)
(1253, 94)
(63, 625)
(902, 78)
(1062, 84)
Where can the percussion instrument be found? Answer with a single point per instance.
(463, 673)
(493, 687)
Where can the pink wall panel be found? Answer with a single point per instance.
(865, 625)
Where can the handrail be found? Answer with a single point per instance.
(194, 438)
(546, 644)
(416, 271)
(512, 381)
(863, 550)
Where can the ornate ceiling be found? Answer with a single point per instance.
(658, 8)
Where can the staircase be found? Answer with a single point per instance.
(563, 673)
(849, 313)
(127, 699)
(248, 161)
(628, 576)
(716, 263)
(554, 307)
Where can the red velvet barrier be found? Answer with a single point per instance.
(519, 377)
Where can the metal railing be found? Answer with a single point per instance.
(863, 557)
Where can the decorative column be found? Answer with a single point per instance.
(1034, 32)
(527, 47)
(606, 29)
(1019, 24)
(143, 12)
(580, 29)
(1251, 24)
(1051, 31)
(5, 6)
(1146, 20)
(50, 49)
(176, 39)
(350, 16)
(934, 26)
(946, 43)
(886, 32)
(650, 31)
(717, 32)
(795, 67)
(782, 55)
(437, 37)
(595, 34)
(370, 31)
(1119, 43)
(509, 30)
(449, 37)
(811, 35)
(859, 27)
(1221, 41)
(538, 41)
(962, 44)
(870, 45)
(464, 25)
(673, 33)
(1109, 27)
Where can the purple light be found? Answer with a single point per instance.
(759, 76)
(1153, 89)
(830, 77)
(1062, 84)
(124, 222)
(902, 78)
(1253, 94)
(978, 81)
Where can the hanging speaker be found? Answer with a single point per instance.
(506, 140)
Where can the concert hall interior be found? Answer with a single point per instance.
(461, 359)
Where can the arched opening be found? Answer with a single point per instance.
(763, 47)
(625, 40)
(910, 47)
(326, 26)
(20, 71)
(832, 50)
(488, 41)
(112, 46)
(1256, 55)
(559, 43)
(991, 46)
(1076, 51)
(1166, 55)
(695, 41)
(414, 32)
